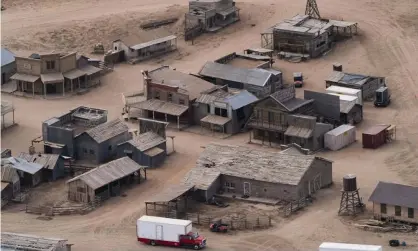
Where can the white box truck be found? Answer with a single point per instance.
(332, 246)
(168, 232)
(346, 91)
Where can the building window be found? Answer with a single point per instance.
(383, 209)
(84, 150)
(410, 213)
(240, 113)
(110, 148)
(91, 151)
(221, 112)
(50, 65)
(181, 101)
(157, 95)
(208, 108)
(170, 97)
(265, 190)
(398, 211)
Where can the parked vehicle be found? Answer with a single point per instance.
(218, 227)
(331, 246)
(298, 79)
(382, 98)
(346, 91)
(168, 232)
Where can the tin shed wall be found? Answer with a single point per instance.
(374, 141)
(341, 140)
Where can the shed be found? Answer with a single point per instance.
(99, 144)
(105, 180)
(397, 201)
(375, 136)
(15, 241)
(340, 137)
(8, 65)
(30, 173)
(10, 175)
(147, 149)
(52, 164)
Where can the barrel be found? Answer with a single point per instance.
(337, 67)
(350, 183)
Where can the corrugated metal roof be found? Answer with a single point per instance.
(216, 120)
(21, 164)
(9, 174)
(48, 161)
(108, 172)
(347, 78)
(170, 193)
(234, 97)
(25, 77)
(74, 73)
(154, 151)
(300, 132)
(147, 140)
(29, 242)
(162, 107)
(7, 57)
(241, 99)
(107, 130)
(395, 194)
(256, 77)
(55, 77)
(153, 42)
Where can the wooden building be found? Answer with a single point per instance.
(99, 144)
(52, 164)
(10, 176)
(126, 50)
(25, 242)
(8, 65)
(306, 36)
(224, 109)
(260, 82)
(105, 181)
(395, 202)
(235, 171)
(51, 74)
(30, 174)
(248, 61)
(171, 95)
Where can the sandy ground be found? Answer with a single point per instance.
(387, 46)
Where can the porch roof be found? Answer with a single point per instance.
(170, 193)
(74, 73)
(215, 119)
(153, 151)
(24, 77)
(160, 106)
(300, 132)
(51, 78)
(90, 69)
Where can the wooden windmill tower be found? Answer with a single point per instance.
(312, 9)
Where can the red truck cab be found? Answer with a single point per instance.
(193, 240)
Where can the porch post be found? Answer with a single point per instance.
(178, 123)
(250, 136)
(78, 83)
(153, 115)
(3, 125)
(33, 89)
(44, 90)
(72, 85)
(13, 116)
(63, 88)
(166, 117)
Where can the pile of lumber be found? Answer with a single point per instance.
(381, 226)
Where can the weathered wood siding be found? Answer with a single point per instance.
(28, 66)
(51, 57)
(390, 212)
(80, 192)
(68, 62)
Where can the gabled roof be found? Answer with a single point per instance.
(348, 78)
(12, 241)
(21, 165)
(146, 141)
(107, 130)
(234, 97)
(289, 103)
(9, 174)
(256, 76)
(395, 194)
(48, 161)
(7, 57)
(108, 172)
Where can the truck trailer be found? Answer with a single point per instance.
(168, 232)
(332, 246)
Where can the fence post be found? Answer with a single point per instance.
(198, 219)
(232, 224)
(269, 221)
(245, 223)
(258, 222)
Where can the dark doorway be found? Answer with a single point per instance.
(51, 88)
(129, 155)
(3, 78)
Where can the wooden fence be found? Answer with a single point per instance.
(63, 210)
(294, 206)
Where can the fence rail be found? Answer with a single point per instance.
(64, 210)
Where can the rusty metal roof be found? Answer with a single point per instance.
(107, 130)
(108, 172)
(395, 194)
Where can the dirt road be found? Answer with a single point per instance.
(386, 46)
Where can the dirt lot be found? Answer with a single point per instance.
(387, 46)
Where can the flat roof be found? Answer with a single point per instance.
(152, 42)
(353, 247)
(255, 164)
(16, 241)
(162, 220)
(161, 106)
(348, 78)
(170, 193)
(6, 107)
(376, 129)
(303, 24)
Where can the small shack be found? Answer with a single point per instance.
(24, 242)
(395, 202)
(375, 136)
(30, 173)
(147, 149)
(52, 164)
(105, 181)
(170, 202)
(9, 175)
(340, 137)
(8, 65)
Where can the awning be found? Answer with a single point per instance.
(25, 77)
(300, 132)
(51, 78)
(160, 106)
(153, 151)
(74, 73)
(227, 12)
(215, 119)
(90, 69)
(170, 193)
